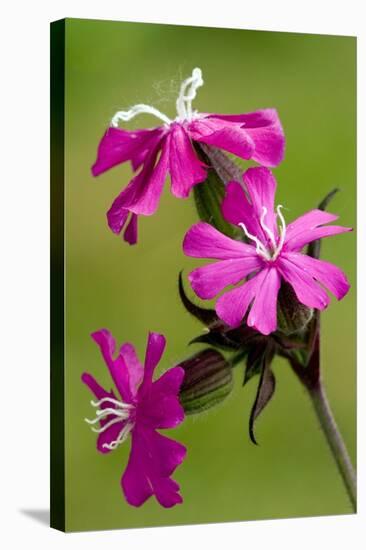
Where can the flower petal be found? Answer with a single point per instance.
(261, 186)
(238, 208)
(117, 367)
(169, 383)
(142, 194)
(135, 368)
(232, 306)
(185, 168)
(209, 280)
(117, 217)
(153, 458)
(168, 452)
(257, 119)
(109, 435)
(204, 241)
(308, 221)
(324, 272)
(130, 234)
(161, 407)
(263, 313)
(135, 481)
(94, 387)
(161, 459)
(265, 131)
(310, 227)
(154, 350)
(167, 492)
(143, 152)
(118, 146)
(229, 136)
(308, 291)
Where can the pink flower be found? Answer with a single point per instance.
(142, 407)
(272, 254)
(168, 148)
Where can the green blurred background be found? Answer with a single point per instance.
(310, 79)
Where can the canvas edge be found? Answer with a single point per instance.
(57, 172)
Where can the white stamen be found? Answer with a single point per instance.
(137, 110)
(113, 401)
(93, 421)
(188, 92)
(266, 228)
(184, 100)
(269, 255)
(118, 411)
(261, 250)
(120, 439)
(107, 411)
(122, 415)
(107, 425)
(282, 232)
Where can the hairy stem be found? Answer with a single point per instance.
(335, 440)
(310, 376)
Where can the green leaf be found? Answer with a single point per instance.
(265, 391)
(254, 361)
(314, 247)
(216, 339)
(324, 203)
(206, 316)
(225, 338)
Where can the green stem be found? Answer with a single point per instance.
(334, 439)
(310, 376)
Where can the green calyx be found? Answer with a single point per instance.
(207, 382)
(292, 316)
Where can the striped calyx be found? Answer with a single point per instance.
(208, 380)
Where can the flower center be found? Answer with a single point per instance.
(119, 412)
(272, 249)
(187, 93)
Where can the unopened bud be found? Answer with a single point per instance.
(208, 380)
(292, 316)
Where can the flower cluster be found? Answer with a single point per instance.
(264, 259)
(169, 148)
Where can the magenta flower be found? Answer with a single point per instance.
(272, 254)
(168, 149)
(142, 407)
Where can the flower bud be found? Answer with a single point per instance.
(208, 380)
(292, 316)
